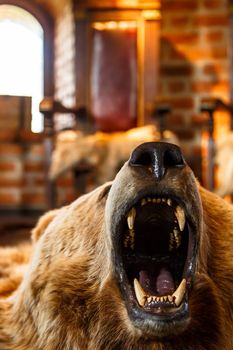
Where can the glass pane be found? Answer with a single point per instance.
(21, 59)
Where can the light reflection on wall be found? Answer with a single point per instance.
(113, 25)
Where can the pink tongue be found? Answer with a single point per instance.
(163, 284)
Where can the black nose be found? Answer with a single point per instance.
(157, 157)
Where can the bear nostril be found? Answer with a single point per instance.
(157, 157)
(143, 159)
(173, 158)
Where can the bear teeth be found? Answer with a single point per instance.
(175, 239)
(145, 299)
(131, 217)
(180, 215)
(175, 236)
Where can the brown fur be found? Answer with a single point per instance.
(14, 261)
(69, 298)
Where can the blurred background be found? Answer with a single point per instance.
(78, 76)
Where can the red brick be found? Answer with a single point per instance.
(66, 197)
(222, 87)
(182, 38)
(176, 70)
(182, 102)
(196, 54)
(176, 86)
(213, 4)
(34, 166)
(34, 198)
(200, 119)
(39, 182)
(65, 181)
(203, 86)
(10, 149)
(185, 134)
(174, 120)
(213, 69)
(27, 135)
(37, 150)
(216, 36)
(8, 135)
(178, 6)
(7, 166)
(181, 21)
(8, 199)
(7, 182)
(211, 20)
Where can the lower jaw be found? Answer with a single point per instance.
(160, 326)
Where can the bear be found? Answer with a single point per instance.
(144, 262)
(14, 260)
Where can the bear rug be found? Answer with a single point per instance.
(142, 263)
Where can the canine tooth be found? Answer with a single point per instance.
(149, 299)
(179, 293)
(179, 213)
(170, 298)
(169, 202)
(143, 201)
(176, 232)
(140, 293)
(131, 217)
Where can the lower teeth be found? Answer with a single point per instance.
(143, 298)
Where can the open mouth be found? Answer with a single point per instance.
(155, 256)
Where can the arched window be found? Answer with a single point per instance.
(26, 60)
(21, 59)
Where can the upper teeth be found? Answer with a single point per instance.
(175, 236)
(179, 213)
(131, 217)
(176, 298)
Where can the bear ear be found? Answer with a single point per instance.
(42, 224)
(104, 190)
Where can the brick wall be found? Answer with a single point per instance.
(22, 174)
(21, 171)
(194, 64)
(65, 61)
